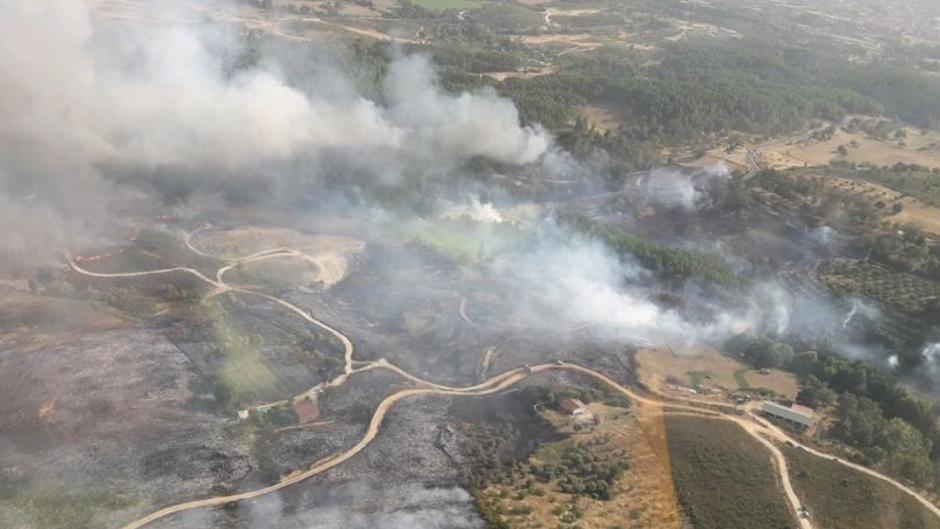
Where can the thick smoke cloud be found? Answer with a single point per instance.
(105, 105)
(458, 127)
(560, 280)
(83, 105)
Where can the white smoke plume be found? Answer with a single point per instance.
(931, 354)
(562, 280)
(458, 127)
(83, 104)
(673, 189)
(484, 212)
(860, 307)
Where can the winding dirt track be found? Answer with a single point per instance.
(760, 429)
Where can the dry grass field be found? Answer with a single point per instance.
(921, 149)
(802, 151)
(325, 258)
(707, 371)
(914, 211)
(642, 497)
(527, 73)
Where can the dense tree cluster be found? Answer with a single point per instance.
(587, 468)
(667, 262)
(759, 351)
(874, 414)
(893, 443)
(786, 186)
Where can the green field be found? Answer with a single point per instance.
(56, 506)
(245, 373)
(463, 241)
(723, 477)
(842, 498)
(696, 378)
(741, 378)
(443, 5)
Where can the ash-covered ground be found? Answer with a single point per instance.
(119, 395)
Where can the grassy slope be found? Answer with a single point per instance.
(724, 479)
(841, 498)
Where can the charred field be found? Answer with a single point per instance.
(285, 264)
(199, 362)
(165, 362)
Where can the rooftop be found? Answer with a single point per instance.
(571, 405)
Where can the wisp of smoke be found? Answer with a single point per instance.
(931, 354)
(674, 189)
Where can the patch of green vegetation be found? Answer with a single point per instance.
(490, 512)
(467, 59)
(459, 247)
(181, 294)
(275, 416)
(842, 498)
(696, 378)
(245, 375)
(723, 477)
(56, 506)
(463, 241)
(444, 5)
(512, 17)
(129, 301)
(587, 468)
(169, 247)
(740, 376)
(667, 262)
(881, 422)
(617, 401)
(893, 444)
(759, 351)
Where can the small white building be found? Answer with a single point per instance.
(797, 415)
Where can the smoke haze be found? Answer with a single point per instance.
(102, 106)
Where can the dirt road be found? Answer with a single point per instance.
(493, 385)
(324, 464)
(763, 431)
